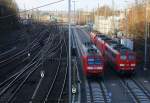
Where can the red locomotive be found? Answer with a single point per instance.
(93, 37)
(90, 56)
(121, 58)
(92, 60)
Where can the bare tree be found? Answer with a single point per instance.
(8, 15)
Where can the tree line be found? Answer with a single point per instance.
(8, 15)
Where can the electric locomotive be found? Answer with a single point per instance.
(121, 58)
(92, 60)
(90, 56)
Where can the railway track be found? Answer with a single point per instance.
(57, 86)
(56, 75)
(96, 92)
(7, 53)
(24, 52)
(20, 40)
(14, 63)
(136, 90)
(20, 78)
(16, 84)
(8, 84)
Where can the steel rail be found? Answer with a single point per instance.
(55, 77)
(19, 54)
(135, 91)
(28, 75)
(145, 91)
(22, 83)
(64, 82)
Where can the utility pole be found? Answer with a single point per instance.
(70, 61)
(74, 11)
(126, 16)
(99, 27)
(93, 15)
(27, 31)
(146, 30)
(113, 6)
(25, 13)
(79, 17)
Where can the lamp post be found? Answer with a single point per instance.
(69, 69)
(146, 30)
(126, 18)
(74, 11)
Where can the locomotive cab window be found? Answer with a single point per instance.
(131, 57)
(123, 57)
(91, 61)
(92, 51)
(97, 61)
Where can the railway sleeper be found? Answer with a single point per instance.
(139, 95)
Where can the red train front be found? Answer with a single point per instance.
(121, 58)
(92, 60)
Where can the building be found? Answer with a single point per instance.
(107, 24)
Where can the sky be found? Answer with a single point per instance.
(80, 4)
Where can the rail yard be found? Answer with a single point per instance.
(96, 52)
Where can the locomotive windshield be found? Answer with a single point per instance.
(131, 57)
(97, 61)
(123, 57)
(92, 51)
(92, 61)
(101, 36)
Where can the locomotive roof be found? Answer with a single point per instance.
(121, 48)
(104, 37)
(90, 49)
(101, 35)
(110, 41)
(113, 44)
(116, 46)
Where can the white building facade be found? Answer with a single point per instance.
(105, 24)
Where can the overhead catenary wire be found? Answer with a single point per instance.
(3, 17)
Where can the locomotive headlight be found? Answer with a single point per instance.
(100, 68)
(132, 64)
(90, 68)
(122, 65)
